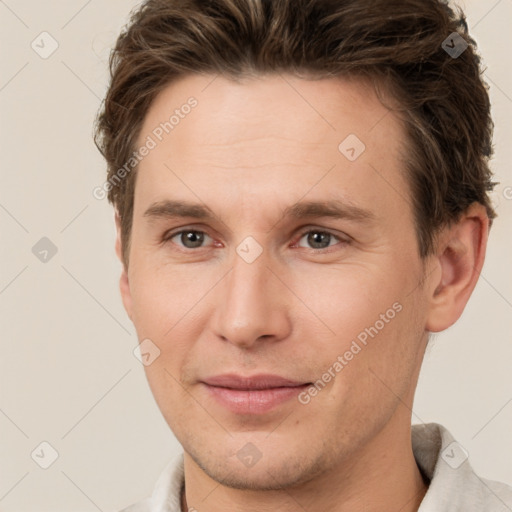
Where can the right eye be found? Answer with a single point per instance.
(189, 238)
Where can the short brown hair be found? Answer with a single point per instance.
(396, 43)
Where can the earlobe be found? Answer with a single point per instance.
(124, 283)
(461, 254)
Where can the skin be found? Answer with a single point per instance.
(248, 151)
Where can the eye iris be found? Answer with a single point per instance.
(194, 237)
(315, 237)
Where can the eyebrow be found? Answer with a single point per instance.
(335, 209)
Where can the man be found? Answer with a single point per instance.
(301, 194)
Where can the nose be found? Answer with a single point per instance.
(253, 305)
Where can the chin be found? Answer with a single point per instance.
(267, 474)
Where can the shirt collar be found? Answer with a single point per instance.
(453, 483)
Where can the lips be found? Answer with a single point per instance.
(256, 394)
(256, 382)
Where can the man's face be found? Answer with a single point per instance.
(256, 290)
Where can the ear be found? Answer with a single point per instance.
(124, 284)
(460, 258)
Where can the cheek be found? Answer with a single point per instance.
(363, 322)
(344, 300)
(162, 296)
(371, 378)
(162, 314)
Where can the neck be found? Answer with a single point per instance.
(382, 476)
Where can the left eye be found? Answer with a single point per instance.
(318, 239)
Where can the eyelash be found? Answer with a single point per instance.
(168, 236)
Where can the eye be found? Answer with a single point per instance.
(189, 238)
(319, 239)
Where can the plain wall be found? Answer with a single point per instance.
(68, 374)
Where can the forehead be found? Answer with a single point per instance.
(270, 106)
(274, 134)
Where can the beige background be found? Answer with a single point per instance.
(68, 374)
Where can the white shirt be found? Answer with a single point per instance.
(454, 486)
